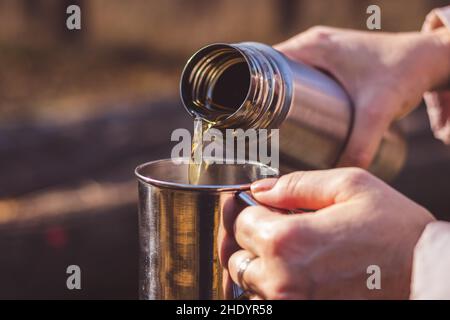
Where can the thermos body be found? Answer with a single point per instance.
(312, 110)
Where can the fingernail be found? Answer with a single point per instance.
(263, 185)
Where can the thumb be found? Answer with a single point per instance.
(364, 140)
(308, 47)
(432, 21)
(306, 189)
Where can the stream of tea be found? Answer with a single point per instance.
(198, 165)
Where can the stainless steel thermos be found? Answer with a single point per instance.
(252, 85)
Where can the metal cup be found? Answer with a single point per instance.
(179, 224)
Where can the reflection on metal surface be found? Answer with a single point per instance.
(179, 226)
(312, 111)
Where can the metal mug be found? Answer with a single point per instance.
(179, 224)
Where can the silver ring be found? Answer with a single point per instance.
(240, 275)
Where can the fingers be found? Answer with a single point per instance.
(262, 233)
(226, 245)
(254, 227)
(438, 107)
(310, 189)
(370, 124)
(432, 21)
(308, 47)
(254, 273)
(225, 239)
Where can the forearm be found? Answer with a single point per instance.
(431, 263)
(440, 59)
(437, 97)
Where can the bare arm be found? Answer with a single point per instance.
(438, 101)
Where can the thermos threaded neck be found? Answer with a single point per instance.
(234, 86)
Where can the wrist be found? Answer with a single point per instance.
(439, 59)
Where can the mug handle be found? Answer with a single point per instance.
(247, 198)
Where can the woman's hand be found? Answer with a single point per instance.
(385, 74)
(438, 102)
(358, 221)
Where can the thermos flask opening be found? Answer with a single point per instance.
(235, 86)
(215, 81)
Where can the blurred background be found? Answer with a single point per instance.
(79, 110)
